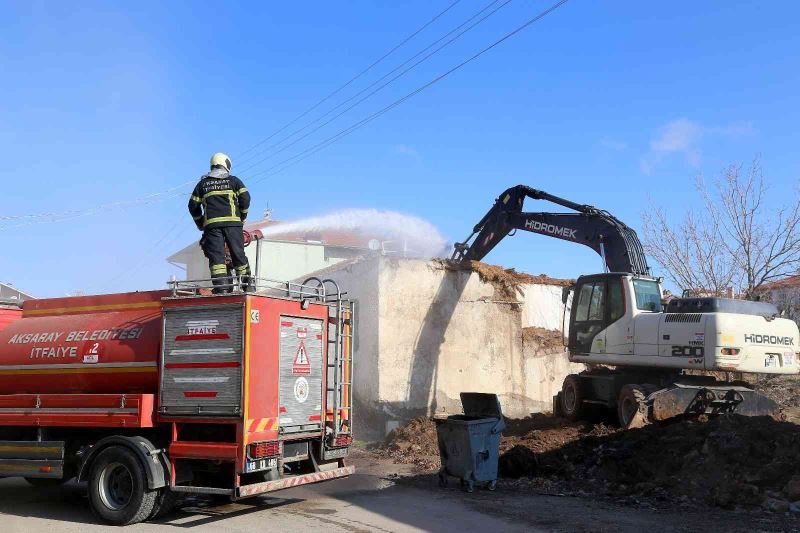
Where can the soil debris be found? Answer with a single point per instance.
(507, 280)
(544, 341)
(414, 443)
(517, 462)
(785, 390)
(727, 461)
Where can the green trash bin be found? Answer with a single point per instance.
(469, 444)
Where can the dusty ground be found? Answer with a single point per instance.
(363, 503)
(383, 497)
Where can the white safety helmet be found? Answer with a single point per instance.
(222, 160)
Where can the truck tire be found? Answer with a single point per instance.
(118, 490)
(572, 398)
(632, 407)
(166, 501)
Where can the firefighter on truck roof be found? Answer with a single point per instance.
(219, 205)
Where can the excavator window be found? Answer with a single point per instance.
(596, 308)
(584, 297)
(589, 316)
(616, 304)
(648, 295)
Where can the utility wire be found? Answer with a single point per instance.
(343, 133)
(286, 163)
(147, 256)
(349, 82)
(383, 86)
(15, 221)
(7, 222)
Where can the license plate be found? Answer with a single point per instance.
(261, 464)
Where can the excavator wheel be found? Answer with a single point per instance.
(571, 398)
(632, 407)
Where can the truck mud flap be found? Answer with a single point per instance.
(247, 491)
(683, 399)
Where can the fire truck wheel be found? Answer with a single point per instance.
(572, 398)
(166, 501)
(118, 490)
(632, 407)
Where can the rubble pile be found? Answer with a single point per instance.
(543, 341)
(414, 443)
(507, 281)
(785, 390)
(727, 461)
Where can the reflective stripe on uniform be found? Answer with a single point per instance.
(243, 268)
(233, 205)
(196, 199)
(217, 269)
(241, 191)
(226, 192)
(222, 219)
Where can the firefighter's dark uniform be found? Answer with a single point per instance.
(219, 205)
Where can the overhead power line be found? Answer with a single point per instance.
(366, 120)
(23, 220)
(14, 221)
(349, 82)
(383, 86)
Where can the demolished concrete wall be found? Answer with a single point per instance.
(428, 330)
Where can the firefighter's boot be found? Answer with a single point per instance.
(245, 279)
(221, 281)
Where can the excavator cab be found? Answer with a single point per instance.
(598, 302)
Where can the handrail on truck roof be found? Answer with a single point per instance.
(263, 287)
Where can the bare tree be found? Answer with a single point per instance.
(736, 241)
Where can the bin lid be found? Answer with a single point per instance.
(481, 405)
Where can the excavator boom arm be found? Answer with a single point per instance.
(599, 230)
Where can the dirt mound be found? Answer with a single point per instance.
(785, 390)
(727, 461)
(517, 462)
(414, 443)
(543, 340)
(506, 280)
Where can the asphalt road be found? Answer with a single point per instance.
(364, 502)
(372, 500)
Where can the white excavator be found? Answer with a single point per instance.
(638, 350)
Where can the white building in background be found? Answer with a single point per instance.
(289, 255)
(785, 293)
(9, 292)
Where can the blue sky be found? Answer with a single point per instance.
(607, 103)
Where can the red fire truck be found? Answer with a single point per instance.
(150, 395)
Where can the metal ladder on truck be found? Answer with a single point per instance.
(338, 388)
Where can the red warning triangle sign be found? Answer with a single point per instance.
(301, 365)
